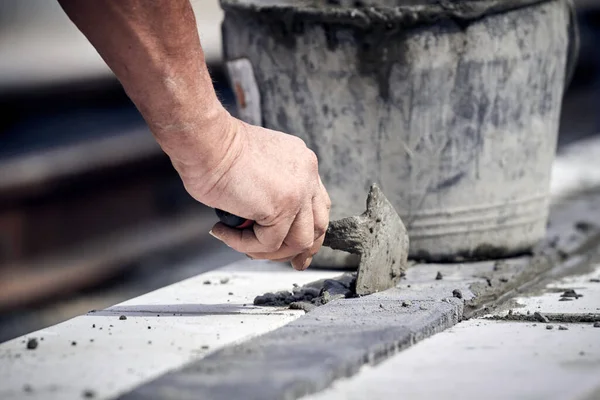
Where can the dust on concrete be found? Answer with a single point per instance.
(311, 295)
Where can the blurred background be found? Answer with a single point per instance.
(91, 211)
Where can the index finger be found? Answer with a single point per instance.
(256, 239)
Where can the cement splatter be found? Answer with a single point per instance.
(311, 295)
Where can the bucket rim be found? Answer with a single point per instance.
(366, 16)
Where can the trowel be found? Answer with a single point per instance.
(377, 236)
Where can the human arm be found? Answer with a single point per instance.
(267, 176)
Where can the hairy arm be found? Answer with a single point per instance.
(154, 50)
(259, 174)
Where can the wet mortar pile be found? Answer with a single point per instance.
(311, 295)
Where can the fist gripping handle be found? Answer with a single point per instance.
(233, 221)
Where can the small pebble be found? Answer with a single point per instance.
(88, 394)
(457, 293)
(205, 347)
(224, 280)
(123, 317)
(594, 280)
(207, 282)
(231, 293)
(73, 343)
(423, 308)
(149, 327)
(93, 325)
(149, 341)
(562, 328)
(439, 276)
(32, 344)
(597, 324)
(406, 303)
(27, 388)
(549, 327)
(380, 305)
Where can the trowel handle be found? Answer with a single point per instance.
(233, 221)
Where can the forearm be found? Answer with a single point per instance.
(154, 50)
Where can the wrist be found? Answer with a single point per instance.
(212, 151)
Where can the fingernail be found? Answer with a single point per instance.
(307, 263)
(211, 233)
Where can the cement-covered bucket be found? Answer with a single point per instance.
(452, 107)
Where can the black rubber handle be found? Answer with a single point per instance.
(233, 221)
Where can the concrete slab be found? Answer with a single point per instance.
(334, 341)
(308, 354)
(485, 360)
(164, 329)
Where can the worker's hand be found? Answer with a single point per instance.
(271, 178)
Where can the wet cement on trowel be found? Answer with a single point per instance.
(335, 340)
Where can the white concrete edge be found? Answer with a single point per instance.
(164, 330)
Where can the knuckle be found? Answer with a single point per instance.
(320, 230)
(272, 245)
(299, 141)
(301, 246)
(312, 159)
(327, 202)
